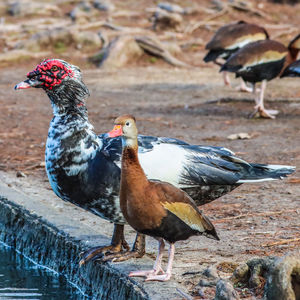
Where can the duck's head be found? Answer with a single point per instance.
(60, 80)
(125, 126)
(49, 74)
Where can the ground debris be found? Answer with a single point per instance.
(225, 291)
(275, 277)
(239, 136)
(153, 46)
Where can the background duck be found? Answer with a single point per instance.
(260, 62)
(292, 70)
(84, 168)
(230, 38)
(155, 208)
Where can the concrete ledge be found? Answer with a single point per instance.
(44, 243)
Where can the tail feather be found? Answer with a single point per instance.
(261, 172)
(212, 55)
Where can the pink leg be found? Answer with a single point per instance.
(226, 78)
(259, 107)
(157, 265)
(244, 88)
(167, 275)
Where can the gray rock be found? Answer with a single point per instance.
(205, 282)
(86, 40)
(225, 291)
(58, 38)
(162, 20)
(21, 174)
(25, 8)
(211, 272)
(172, 8)
(103, 5)
(82, 11)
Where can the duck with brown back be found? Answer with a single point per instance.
(262, 61)
(229, 39)
(155, 208)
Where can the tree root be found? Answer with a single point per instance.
(280, 276)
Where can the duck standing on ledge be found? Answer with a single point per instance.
(84, 168)
(230, 38)
(155, 208)
(260, 62)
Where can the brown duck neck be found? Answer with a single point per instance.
(132, 174)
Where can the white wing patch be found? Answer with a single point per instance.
(164, 162)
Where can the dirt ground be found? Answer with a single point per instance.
(255, 219)
(190, 104)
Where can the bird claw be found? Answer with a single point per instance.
(122, 256)
(244, 88)
(261, 112)
(101, 252)
(163, 277)
(146, 273)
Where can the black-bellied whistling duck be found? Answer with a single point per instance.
(260, 62)
(230, 38)
(292, 70)
(155, 208)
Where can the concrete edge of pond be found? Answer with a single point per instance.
(42, 241)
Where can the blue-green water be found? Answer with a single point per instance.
(22, 279)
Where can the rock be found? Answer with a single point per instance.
(25, 8)
(172, 8)
(241, 274)
(86, 40)
(211, 272)
(103, 5)
(21, 174)
(119, 52)
(205, 282)
(81, 12)
(225, 291)
(163, 20)
(58, 38)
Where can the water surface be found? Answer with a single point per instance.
(22, 279)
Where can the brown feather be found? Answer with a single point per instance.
(258, 53)
(233, 35)
(181, 205)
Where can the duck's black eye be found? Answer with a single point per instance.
(54, 68)
(127, 123)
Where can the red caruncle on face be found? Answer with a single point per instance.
(50, 73)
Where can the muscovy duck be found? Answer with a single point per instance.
(84, 168)
(260, 62)
(153, 207)
(229, 39)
